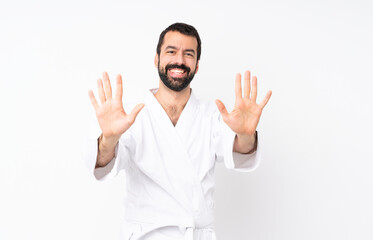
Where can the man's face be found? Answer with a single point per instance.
(177, 63)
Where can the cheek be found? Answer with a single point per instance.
(193, 65)
(164, 61)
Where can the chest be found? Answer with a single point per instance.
(184, 149)
(173, 113)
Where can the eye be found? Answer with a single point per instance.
(170, 51)
(189, 54)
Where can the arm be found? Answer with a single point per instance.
(106, 150)
(245, 144)
(244, 118)
(112, 118)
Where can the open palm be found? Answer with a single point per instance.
(246, 113)
(112, 118)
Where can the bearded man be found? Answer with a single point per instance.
(168, 146)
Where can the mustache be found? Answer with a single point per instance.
(182, 66)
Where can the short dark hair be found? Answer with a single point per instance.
(183, 29)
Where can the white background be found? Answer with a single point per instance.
(315, 180)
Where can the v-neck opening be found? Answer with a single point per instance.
(187, 110)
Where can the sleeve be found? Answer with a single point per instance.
(120, 161)
(223, 141)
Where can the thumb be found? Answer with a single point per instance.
(222, 109)
(132, 116)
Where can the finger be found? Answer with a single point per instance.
(101, 92)
(107, 85)
(247, 85)
(254, 89)
(93, 99)
(266, 99)
(119, 91)
(135, 112)
(222, 109)
(238, 89)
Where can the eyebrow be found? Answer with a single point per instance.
(186, 50)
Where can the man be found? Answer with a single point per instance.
(169, 145)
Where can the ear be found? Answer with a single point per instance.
(197, 67)
(156, 60)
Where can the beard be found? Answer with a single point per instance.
(175, 84)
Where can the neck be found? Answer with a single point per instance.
(172, 102)
(168, 97)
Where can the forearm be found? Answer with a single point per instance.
(245, 144)
(106, 150)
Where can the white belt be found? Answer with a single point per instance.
(189, 234)
(203, 222)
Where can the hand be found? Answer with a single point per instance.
(112, 118)
(246, 113)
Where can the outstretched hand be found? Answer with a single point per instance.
(246, 113)
(112, 118)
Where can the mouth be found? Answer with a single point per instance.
(177, 72)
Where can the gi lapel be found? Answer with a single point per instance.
(172, 169)
(187, 117)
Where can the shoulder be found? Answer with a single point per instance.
(207, 108)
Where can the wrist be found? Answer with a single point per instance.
(106, 150)
(246, 143)
(105, 142)
(246, 137)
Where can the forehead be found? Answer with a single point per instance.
(179, 40)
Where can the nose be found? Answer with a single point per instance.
(179, 58)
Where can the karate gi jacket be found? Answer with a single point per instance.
(170, 169)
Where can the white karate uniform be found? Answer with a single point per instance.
(170, 170)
